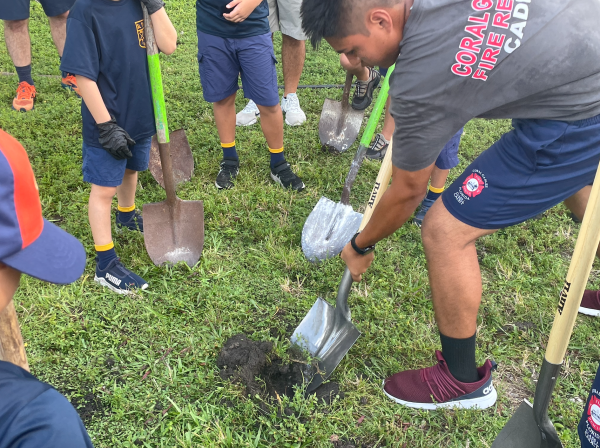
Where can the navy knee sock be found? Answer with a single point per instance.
(460, 358)
(126, 213)
(229, 151)
(104, 255)
(434, 193)
(24, 74)
(277, 156)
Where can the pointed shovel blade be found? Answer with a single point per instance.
(181, 159)
(174, 234)
(328, 228)
(339, 126)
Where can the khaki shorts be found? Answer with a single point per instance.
(284, 16)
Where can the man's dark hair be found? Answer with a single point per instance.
(339, 18)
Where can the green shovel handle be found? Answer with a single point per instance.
(158, 97)
(377, 109)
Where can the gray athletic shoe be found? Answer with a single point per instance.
(363, 94)
(282, 174)
(294, 116)
(227, 174)
(248, 115)
(378, 148)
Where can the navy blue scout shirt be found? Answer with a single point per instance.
(105, 43)
(210, 20)
(34, 415)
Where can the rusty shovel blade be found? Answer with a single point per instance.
(339, 125)
(181, 159)
(174, 233)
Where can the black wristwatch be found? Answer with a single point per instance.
(358, 250)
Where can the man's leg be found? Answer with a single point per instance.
(18, 43)
(58, 29)
(293, 53)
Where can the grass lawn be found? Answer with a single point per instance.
(142, 370)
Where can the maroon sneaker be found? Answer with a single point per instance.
(590, 304)
(435, 387)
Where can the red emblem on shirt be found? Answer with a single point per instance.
(473, 185)
(593, 412)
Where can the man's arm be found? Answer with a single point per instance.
(164, 32)
(397, 205)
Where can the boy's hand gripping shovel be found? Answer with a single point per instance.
(173, 229)
(331, 225)
(339, 123)
(530, 426)
(327, 333)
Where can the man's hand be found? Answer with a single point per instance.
(357, 264)
(153, 5)
(241, 9)
(115, 139)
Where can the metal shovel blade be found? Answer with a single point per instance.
(339, 125)
(328, 229)
(327, 333)
(181, 159)
(174, 234)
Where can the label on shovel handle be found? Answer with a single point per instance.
(589, 425)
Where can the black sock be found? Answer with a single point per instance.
(25, 74)
(460, 358)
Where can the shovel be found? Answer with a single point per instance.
(331, 225)
(173, 229)
(182, 160)
(339, 123)
(530, 426)
(327, 333)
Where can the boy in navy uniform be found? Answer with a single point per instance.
(106, 51)
(234, 38)
(32, 413)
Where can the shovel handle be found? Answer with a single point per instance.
(11, 342)
(577, 277)
(341, 302)
(367, 137)
(381, 185)
(346, 93)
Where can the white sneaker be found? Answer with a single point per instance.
(248, 115)
(294, 116)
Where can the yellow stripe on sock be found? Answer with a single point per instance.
(228, 145)
(104, 247)
(276, 151)
(126, 209)
(436, 190)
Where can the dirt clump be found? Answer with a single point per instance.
(243, 360)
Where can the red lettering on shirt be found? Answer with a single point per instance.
(461, 70)
(496, 40)
(504, 5)
(482, 5)
(466, 58)
(485, 19)
(476, 30)
(471, 44)
(486, 66)
(490, 55)
(501, 20)
(480, 74)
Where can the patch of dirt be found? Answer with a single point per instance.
(87, 406)
(345, 443)
(243, 360)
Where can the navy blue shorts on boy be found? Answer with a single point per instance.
(448, 158)
(221, 61)
(532, 168)
(100, 168)
(19, 9)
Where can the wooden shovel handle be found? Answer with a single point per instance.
(577, 277)
(381, 185)
(346, 93)
(11, 341)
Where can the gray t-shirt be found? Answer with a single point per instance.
(461, 59)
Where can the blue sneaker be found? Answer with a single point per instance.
(119, 279)
(135, 223)
(420, 216)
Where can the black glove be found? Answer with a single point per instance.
(153, 5)
(115, 139)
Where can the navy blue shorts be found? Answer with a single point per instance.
(448, 158)
(100, 168)
(19, 9)
(222, 60)
(532, 168)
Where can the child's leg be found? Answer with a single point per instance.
(438, 179)
(272, 127)
(224, 112)
(100, 221)
(126, 215)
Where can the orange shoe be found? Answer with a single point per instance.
(23, 102)
(70, 82)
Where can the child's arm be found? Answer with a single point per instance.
(93, 100)
(164, 31)
(241, 9)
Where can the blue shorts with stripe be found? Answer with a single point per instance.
(532, 168)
